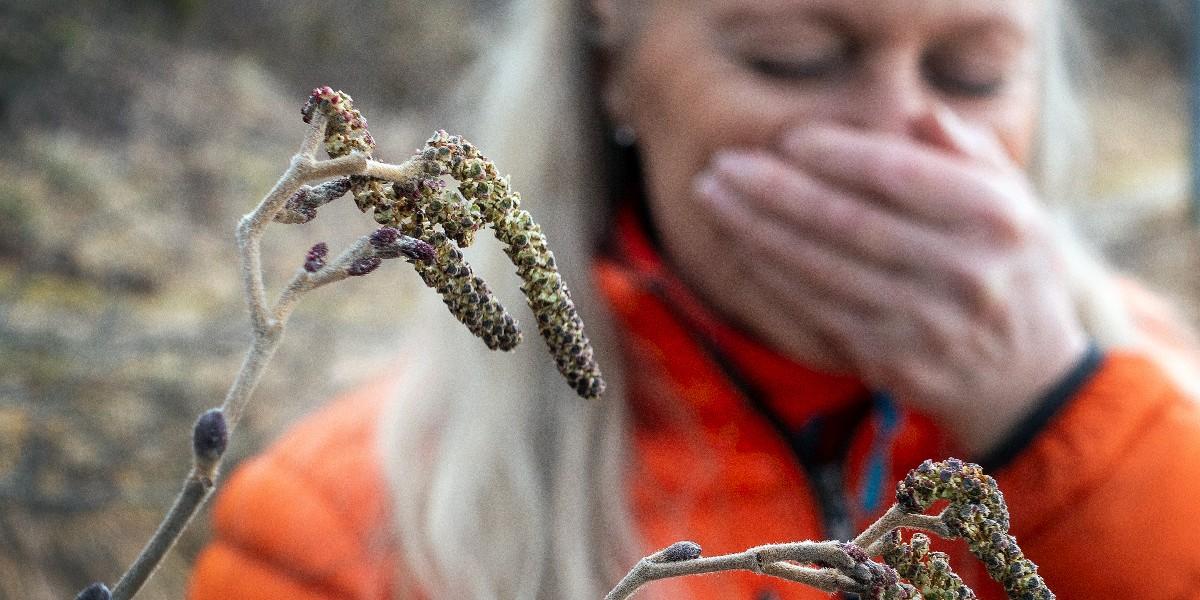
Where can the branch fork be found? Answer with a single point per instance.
(976, 512)
(213, 428)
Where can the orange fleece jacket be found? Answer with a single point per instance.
(1104, 496)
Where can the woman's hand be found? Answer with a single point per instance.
(923, 264)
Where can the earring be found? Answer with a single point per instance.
(624, 136)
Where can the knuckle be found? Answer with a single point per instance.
(968, 278)
(773, 180)
(1013, 218)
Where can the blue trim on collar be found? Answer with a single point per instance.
(879, 460)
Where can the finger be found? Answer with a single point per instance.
(859, 228)
(807, 262)
(939, 189)
(834, 328)
(943, 129)
(840, 218)
(798, 338)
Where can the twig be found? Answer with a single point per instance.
(267, 325)
(189, 500)
(975, 512)
(210, 437)
(824, 579)
(896, 517)
(769, 560)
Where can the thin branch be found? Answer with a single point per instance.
(210, 437)
(195, 491)
(896, 517)
(267, 323)
(316, 135)
(756, 560)
(806, 552)
(825, 579)
(251, 226)
(304, 281)
(409, 169)
(779, 560)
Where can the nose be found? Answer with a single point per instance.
(887, 95)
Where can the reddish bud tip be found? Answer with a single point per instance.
(363, 266)
(418, 250)
(854, 552)
(315, 259)
(384, 236)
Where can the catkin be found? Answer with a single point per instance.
(405, 206)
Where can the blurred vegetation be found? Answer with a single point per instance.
(136, 132)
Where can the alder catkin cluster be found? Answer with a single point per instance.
(545, 291)
(403, 205)
(977, 513)
(927, 570)
(448, 220)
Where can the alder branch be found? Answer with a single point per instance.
(976, 512)
(894, 518)
(683, 558)
(213, 429)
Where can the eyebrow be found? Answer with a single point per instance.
(968, 14)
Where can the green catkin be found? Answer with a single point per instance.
(525, 244)
(466, 295)
(978, 514)
(927, 570)
(448, 221)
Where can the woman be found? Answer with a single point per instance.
(823, 253)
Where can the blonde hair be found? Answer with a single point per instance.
(505, 484)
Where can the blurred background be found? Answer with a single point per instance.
(135, 133)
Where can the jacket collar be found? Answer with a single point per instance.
(698, 349)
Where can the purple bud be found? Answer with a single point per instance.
(405, 189)
(384, 236)
(315, 259)
(96, 591)
(339, 186)
(418, 250)
(680, 551)
(854, 552)
(363, 266)
(297, 199)
(210, 436)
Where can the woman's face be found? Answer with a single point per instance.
(694, 77)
